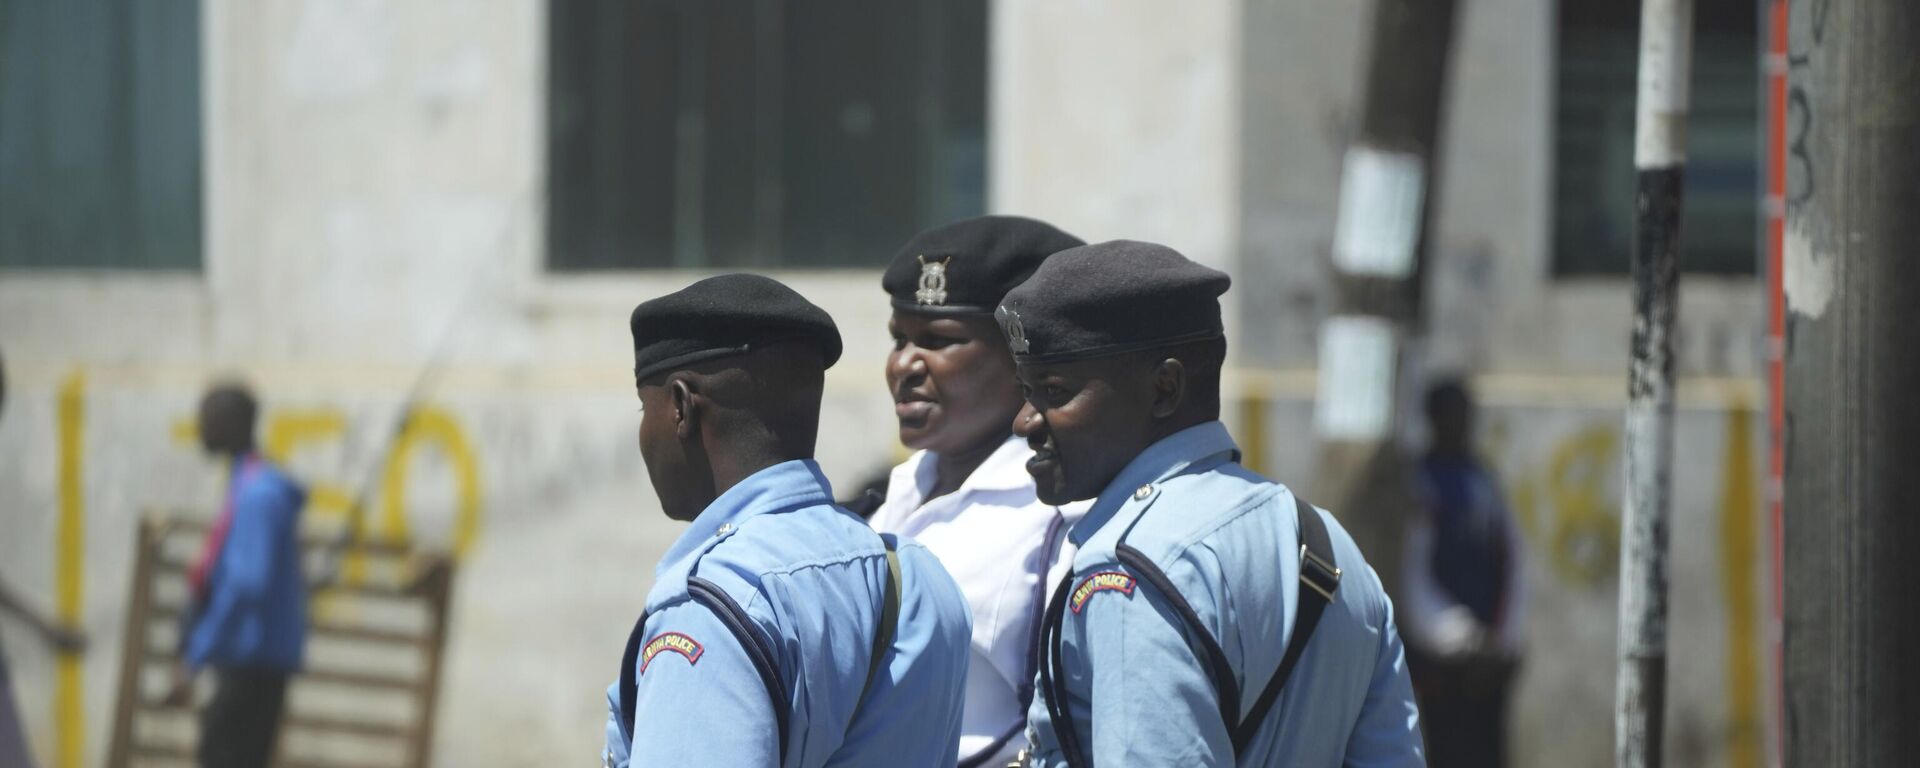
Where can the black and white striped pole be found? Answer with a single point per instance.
(1659, 156)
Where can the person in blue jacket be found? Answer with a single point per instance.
(780, 630)
(249, 621)
(1211, 617)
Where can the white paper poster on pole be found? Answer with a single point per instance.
(1355, 401)
(1378, 223)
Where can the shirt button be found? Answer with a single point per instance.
(1143, 491)
(725, 529)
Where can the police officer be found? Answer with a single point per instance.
(780, 630)
(1211, 617)
(965, 491)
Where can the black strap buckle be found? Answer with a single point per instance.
(1317, 574)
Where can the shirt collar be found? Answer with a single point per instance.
(778, 488)
(1004, 470)
(1171, 456)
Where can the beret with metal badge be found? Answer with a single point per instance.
(722, 316)
(1111, 298)
(965, 267)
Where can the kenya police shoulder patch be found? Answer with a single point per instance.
(673, 642)
(1100, 582)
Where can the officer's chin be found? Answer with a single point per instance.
(1049, 481)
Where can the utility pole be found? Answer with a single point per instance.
(1852, 279)
(1380, 239)
(1659, 156)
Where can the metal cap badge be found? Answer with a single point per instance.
(1016, 333)
(933, 282)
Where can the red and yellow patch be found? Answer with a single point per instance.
(670, 641)
(1100, 582)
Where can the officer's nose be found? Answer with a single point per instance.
(904, 366)
(1027, 421)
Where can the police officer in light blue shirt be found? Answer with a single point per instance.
(780, 630)
(1211, 617)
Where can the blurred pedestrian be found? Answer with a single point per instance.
(249, 620)
(965, 492)
(1211, 617)
(780, 629)
(13, 739)
(1464, 601)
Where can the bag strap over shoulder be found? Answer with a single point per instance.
(759, 649)
(889, 616)
(1319, 580)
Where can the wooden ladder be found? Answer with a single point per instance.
(367, 695)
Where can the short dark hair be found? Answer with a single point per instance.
(1203, 360)
(233, 404)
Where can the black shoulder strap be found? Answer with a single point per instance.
(1053, 673)
(759, 651)
(629, 686)
(1225, 688)
(1053, 676)
(1319, 579)
(889, 616)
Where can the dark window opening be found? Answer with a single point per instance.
(754, 133)
(1594, 179)
(100, 134)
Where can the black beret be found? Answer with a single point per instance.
(722, 316)
(1111, 298)
(966, 266)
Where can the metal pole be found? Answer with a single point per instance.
(1659, 155)
(1774, 208)
(1852, 517)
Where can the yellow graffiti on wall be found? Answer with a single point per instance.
(433, 426)
(69, 708)
(1569, 510)
(287, 432)
(1570, 507)
(1739, 527)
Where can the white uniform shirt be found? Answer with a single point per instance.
(1006, 549)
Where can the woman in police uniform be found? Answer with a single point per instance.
(965, 492)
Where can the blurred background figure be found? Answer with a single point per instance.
(1463, 603)
(13, 742)
(249, 621)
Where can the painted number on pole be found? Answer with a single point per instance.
(1379, 220)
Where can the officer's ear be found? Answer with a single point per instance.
(1169, 387)
(684, 406)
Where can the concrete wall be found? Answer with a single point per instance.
(375, 181)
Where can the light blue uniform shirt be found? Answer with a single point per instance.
(812, 578)
(1228, 540)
